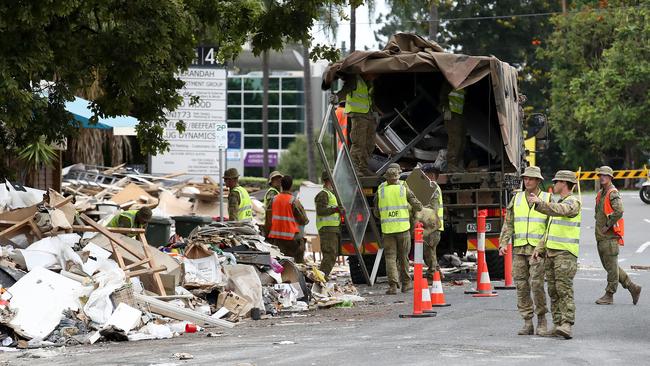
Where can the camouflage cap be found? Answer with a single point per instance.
(393, 171)
(605, 170)
(274, 174)
(565, 175)
(533, 172)
(231, 173)
(324, 176)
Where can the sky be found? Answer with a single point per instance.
(365, 31)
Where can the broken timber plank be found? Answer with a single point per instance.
(176, 312)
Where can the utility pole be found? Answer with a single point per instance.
(563, 6)
(433, 20)
(353, 25)
(265, 113)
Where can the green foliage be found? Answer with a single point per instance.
(37, 154)
(294, 161)
(600, 96)
(126, 54)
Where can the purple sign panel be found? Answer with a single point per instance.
(256, 159)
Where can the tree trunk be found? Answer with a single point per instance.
(353, 27)
(433, 20)
(309, 123)
(265, 113)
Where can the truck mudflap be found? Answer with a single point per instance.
(491, 242)
(369, 247)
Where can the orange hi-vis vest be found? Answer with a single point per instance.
(619, 226)
(283, 223)
(342, 118)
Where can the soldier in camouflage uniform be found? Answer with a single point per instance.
(609, 210)
(525, 227)
(560, 247)
(435, 204)
(328, 223)
(395, 227)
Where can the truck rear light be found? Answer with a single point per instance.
(494, 212)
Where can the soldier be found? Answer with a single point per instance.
(240, 206)
(360, 108)
(131, 219)
(526, 227)
(285, 219)
(452, 105)
(392, 208)
(435, 204)
(274, 187)
(609, 235)
(328, 223)
(560, 247)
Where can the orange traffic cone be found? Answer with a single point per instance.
(426, 297)
(484, 288)
(417, 278)
(437, 296)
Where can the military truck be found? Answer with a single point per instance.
(410, 73)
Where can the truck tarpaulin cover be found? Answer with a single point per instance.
(411, 53)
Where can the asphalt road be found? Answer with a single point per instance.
(471, 331)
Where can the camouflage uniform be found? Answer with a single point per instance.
(431, 242)
(330, 236)
(363, 127)
(293, 248)
(528, 276)
(456, 132)
(608, 242)
(398, 245)
(233, 204)
(561, 266)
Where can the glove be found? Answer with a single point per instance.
(333, 99)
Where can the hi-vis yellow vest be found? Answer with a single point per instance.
(393, 208)
(457, 101)
(245, 211)
(530, 225)
(130, 215)
(358, 101)
(564, 232)
(440, 209)
(266, 195)
(330, 220)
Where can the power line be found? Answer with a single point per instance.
(495, 17)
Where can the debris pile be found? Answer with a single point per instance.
(66, 278)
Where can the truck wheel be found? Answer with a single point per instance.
(356, 273)
(644, 193)
(495, 264)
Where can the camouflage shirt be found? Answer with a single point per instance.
(563, 208)
(434, 204)
(324, 209)
(603, 220)
(508, 229)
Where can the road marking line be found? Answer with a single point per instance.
(643, 247)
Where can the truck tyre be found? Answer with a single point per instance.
(356, 273)
(495, 264)
(644, 193)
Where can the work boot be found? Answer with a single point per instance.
(541, 325)
(392, 290)
(564, 330)
(407, 286)
(635, 291)
(549, 333)
(528, 328)
(608, 299)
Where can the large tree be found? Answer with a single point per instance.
(126, 52)
(600, 95)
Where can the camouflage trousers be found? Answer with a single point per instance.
(560, 271)
(329, 246)
(456, 132)
(430, 257)
(362, 138)
(608, 252)
(396, 249)
(529, 278)
(292, 248)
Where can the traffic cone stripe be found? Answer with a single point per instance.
(437, 295)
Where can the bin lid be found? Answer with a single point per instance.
(161, 220)
(194, 219)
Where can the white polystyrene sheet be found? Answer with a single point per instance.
(39, 299)
(307, 195)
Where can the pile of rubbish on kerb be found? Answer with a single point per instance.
(66, 278)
